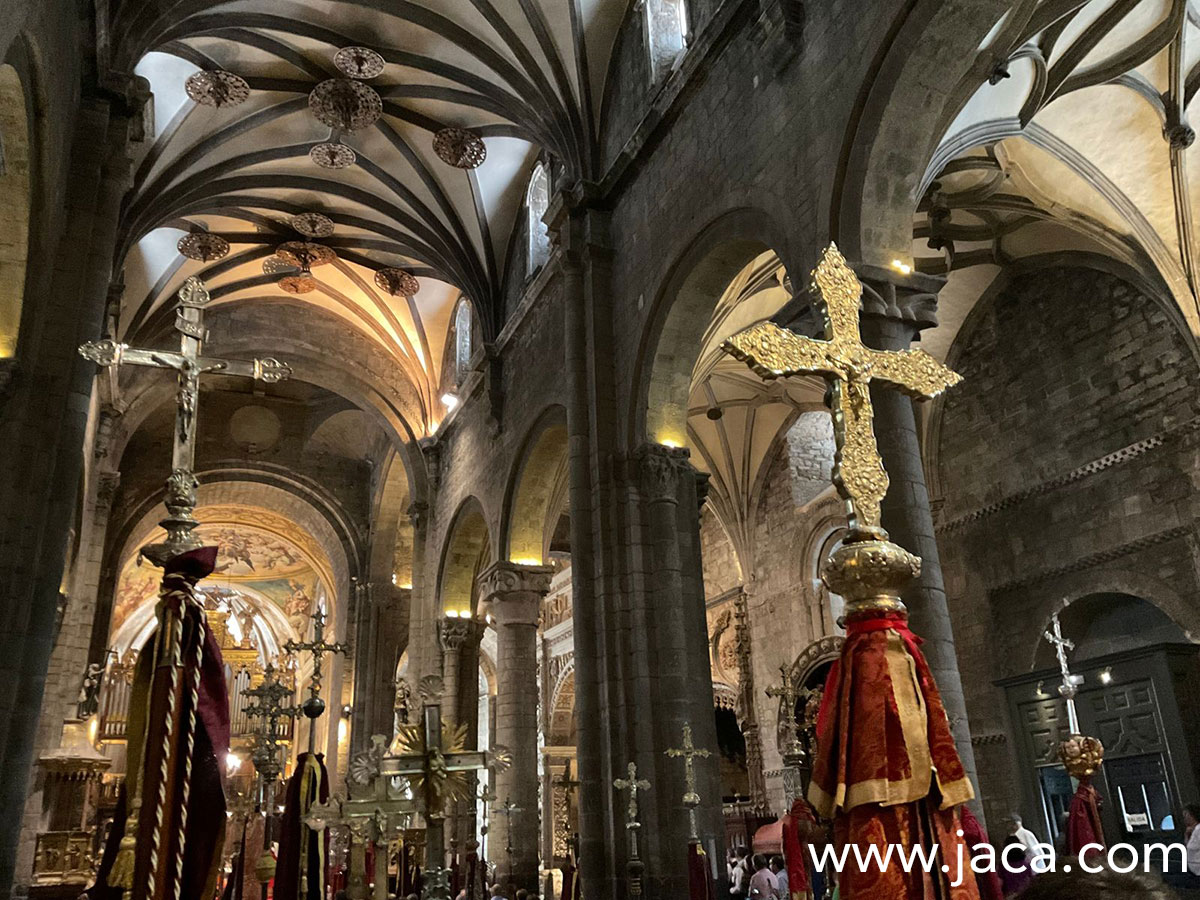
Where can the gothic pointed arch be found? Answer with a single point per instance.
(537, 490)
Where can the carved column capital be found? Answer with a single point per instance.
(660, 469)
(457, 632)
(513, 592)
(908, 298)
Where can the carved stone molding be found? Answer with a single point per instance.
(107, 484)
(660, 469)
(513, 593)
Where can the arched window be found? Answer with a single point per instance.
(14, 206)
(537, 200)
(462, 340)
(666, 34)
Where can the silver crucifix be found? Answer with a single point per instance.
(1070, 683)
(190, 365)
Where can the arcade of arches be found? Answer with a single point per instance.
(501, 262)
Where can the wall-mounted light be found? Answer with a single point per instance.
(452, 614)
(902, 267)
(450, 401)
(347, 711)
(527, 561)
(233, 762)
(394, 578)
(671, 442)
(1106, 675)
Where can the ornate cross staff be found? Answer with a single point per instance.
(434, 758)
(318, 647)
(787, 694)
(149, 862)
(190, 365)
(691, 799)
(634, 865)
(269, 706)
(508, 809)
(1070, 683)
(850, 366)
(567, 786)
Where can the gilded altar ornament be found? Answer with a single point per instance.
(1081, 756)
(868, 569)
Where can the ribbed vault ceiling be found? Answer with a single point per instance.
(522, 75)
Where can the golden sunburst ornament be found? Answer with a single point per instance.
(446, 786)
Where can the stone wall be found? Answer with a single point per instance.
(1066, 365)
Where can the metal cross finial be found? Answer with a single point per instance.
(849, 366)
(1070, 683)
(691, 799)
(318, 647)
(633, 864)
(269, 705)
(633, 785)
(787, 693)
(190, 365)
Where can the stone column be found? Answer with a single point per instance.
(679, 668)
(513, 594)
(460, 639)
(896, 308)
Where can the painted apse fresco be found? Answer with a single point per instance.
(263, 558)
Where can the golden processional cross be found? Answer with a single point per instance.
(849, 366)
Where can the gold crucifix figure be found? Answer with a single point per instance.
(850, 366)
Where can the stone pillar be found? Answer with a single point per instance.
(512, 595)
(751, 731)
(460, 639)
(669, 493)
(896, 309)
(43, 426)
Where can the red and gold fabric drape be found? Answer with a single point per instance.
(886, 768)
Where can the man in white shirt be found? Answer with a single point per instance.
(1029, 840)
(781, 877)
(1191, 835)
(738, 882)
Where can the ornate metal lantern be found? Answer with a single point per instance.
(397, 282)
(203, 246)
(345, 104)
(358, 62)
(460, 148)
(217, 88)
(313, 224)
(332, 155)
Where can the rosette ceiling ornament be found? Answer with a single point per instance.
(298, 258)
(203, 246)
(346, 105)
(217, 88)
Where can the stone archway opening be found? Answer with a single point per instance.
(15, 207)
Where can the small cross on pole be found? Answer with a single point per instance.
(691, 799)
(1070, 683)
(318, 647)
(787, 694)
(508, 809)
(635, 866)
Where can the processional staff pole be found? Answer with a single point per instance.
(870, 572)
(508, 809)
(314, 706)
(691, 798)
(268, 705)
(1069, 688)
(152, 851)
